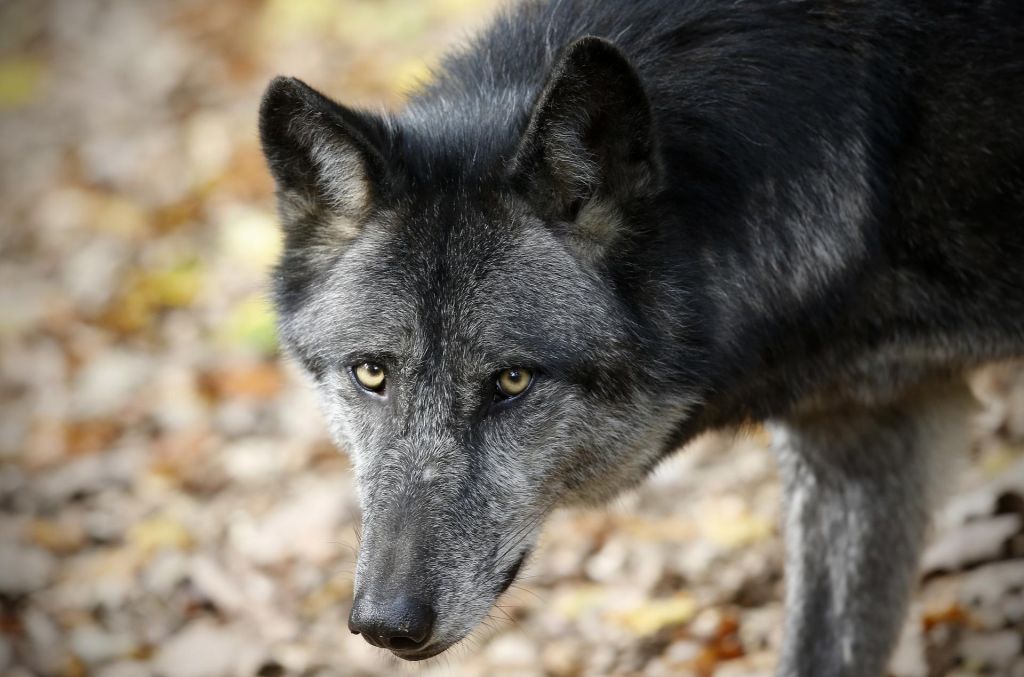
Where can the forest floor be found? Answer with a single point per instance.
(169, 502)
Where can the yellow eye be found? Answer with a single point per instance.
(370, 376)
(512, 382)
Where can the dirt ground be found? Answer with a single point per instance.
(169, 502)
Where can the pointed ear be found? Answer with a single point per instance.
(589, 147)
(326, 161)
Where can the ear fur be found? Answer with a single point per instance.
(326, 161)
(589, 146)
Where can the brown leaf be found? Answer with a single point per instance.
(89, 437)
(259, 381)
(178, 457)
(58, 537)
(951, 615)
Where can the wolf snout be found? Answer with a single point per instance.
(401, 624)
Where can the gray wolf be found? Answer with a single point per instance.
(608, 226)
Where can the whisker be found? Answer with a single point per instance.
(522, 536)
(506, 614)
(541, 512)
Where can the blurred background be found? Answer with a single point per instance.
(169, 502)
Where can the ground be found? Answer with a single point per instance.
(169, 503)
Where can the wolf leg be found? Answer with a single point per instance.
(859, 486)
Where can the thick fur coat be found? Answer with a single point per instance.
(675, 217)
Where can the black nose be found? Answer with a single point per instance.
(400, 624)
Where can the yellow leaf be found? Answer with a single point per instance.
(147, 292)
(996, 461)
(457, 7)
(411, 75)
(20, 78)
(251, 238)
(119, 216)
(656, 614)
(730, 523)
(251, 323)
(577, 601)
(157, 533)
(384, 23)
(293, 18)
(657, 529)
(176, 286)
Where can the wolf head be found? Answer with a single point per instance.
(474, 317)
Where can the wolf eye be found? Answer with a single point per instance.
(512, 382)
(370, 376)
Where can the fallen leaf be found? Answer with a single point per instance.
(974, 542)
(177, 457)
(90, 437)
(656, 529)
(411, 75)
(176, 214)
(147, 292)
(58, 537)
(951, 615)
(287, 20)
(730, 523)
(252, 324)
(117, 215)
(656, 614)
(261, 380)
(251, 239)
(997, 461)
(160, 532)
(20, 79)
(579, 600)
(328, 596)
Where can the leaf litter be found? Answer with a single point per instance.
(169, 501)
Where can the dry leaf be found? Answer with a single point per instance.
(259, 381)
(160, 532)
(656, 614)
(20, 80)
(58, 537)
(729, 522)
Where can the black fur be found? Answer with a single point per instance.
(755, 210)
(769, 93)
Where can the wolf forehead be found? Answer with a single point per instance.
(492, 283)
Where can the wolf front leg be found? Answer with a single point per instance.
(859, 487)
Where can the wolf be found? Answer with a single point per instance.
(606, 227)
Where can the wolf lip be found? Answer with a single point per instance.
(420, 654)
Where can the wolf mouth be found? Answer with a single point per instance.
(421, 654)
(430, 652)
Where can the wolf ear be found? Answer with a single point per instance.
(326, 161)
(589, 146)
